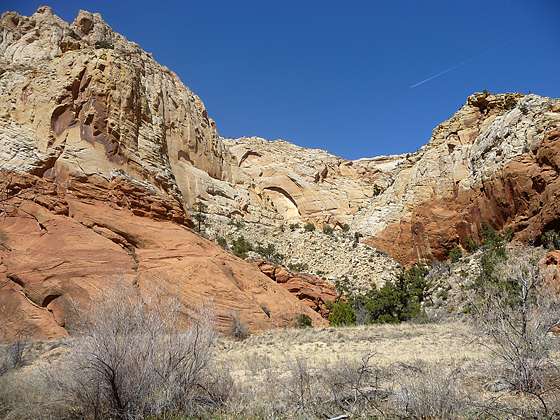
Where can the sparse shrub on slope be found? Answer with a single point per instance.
(303, 321)
(298, 267)
(239, 329)
(309, 227)
(220, 240)
(455, 254)
(200, 215)
(550, 239)
(240, 247)
(294, 226)
(269, 253)
(11, 356)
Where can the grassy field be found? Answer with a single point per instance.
(449, 343)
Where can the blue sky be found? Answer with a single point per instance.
(342, 76)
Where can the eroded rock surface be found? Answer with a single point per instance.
(63, 249)
(102, 150)
(312, 290)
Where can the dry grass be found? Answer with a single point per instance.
(388, 371)
(402, 343)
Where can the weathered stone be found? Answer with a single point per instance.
(313, 291)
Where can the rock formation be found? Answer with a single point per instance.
(312, 290)
(101, 151)
(495, 162)
(104, 154)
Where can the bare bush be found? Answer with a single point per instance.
(355, 386)
(298, 390)
(239, 329)
(133, 360)
(516, 315)
(429, 392)
(11, 356)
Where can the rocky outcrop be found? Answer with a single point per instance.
(81, 100)
(62, 250)
(492, 162)
(313, 291)
(336, 256)
(295, 184)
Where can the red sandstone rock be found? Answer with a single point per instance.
(65, 249)
(524, 196)
(550, 266)
(312, 290)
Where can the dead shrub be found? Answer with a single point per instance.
(133, 360)
(516, 314)
(239, 329)
(297, 390)
(424, 392)
(11, 356)
(356, 386)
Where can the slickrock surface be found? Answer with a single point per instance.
(62, 249)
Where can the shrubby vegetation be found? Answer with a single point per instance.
(238, 224)
(550, 239)
(396, 301)
(200, 215)
(309, 227)
(269, 253)
(241, 246)
(130, 360)
(455, 254)
(377, 190)
(220, 240)
(294, 226)
(303, 321)
(239, 329)
(328, 229)
(298, 267)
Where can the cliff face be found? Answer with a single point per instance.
(494, 161)
(103, 153)
(83, 101)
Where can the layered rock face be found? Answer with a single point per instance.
(82, 101)
(101, 151)
(312, 290)
(299, 184)
(62, 250)
(494, 161)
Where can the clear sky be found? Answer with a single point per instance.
(353, 77)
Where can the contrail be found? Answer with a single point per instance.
(447, 70)
(441, 73)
